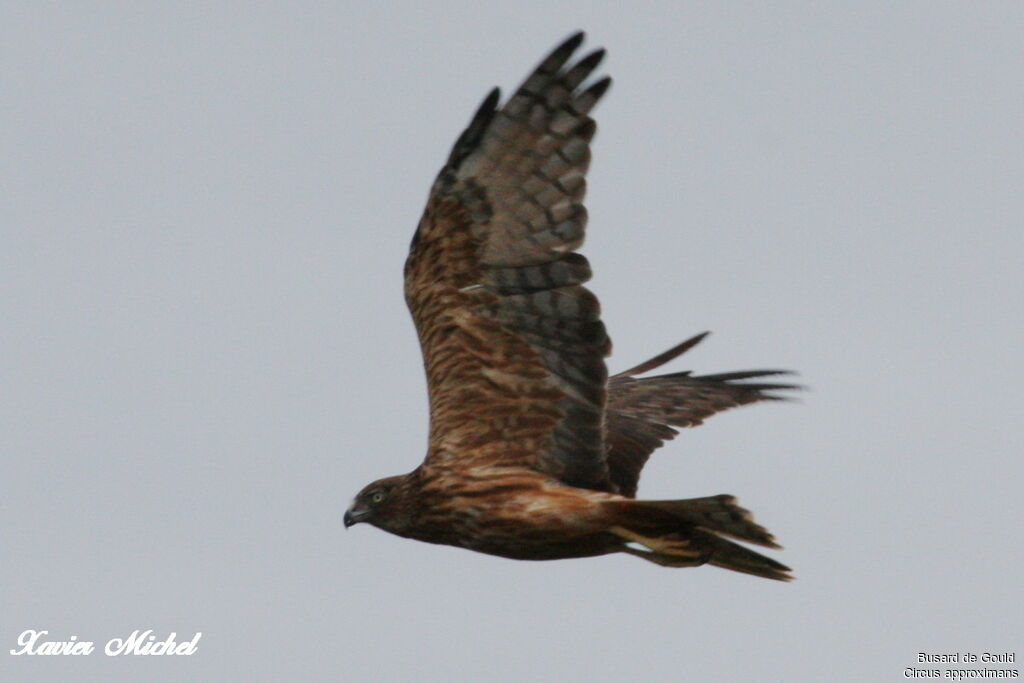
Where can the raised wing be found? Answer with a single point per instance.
(642, 411)
(512, 343)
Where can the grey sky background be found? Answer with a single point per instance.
(205, 352)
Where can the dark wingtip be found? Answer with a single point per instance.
(598, 90)
(573, 41)
(753, 391)
(666, 356)
(491, 101)
(477, 125)
(561, 53)
(591, 61)
(557, 58)
(743, 374)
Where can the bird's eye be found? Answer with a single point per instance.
(377, 496)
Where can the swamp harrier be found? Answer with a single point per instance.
(534, 452)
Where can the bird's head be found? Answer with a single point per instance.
(378, 503)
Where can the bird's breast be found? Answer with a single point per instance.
(514, 514)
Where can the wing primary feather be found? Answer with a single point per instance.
(495, 285)
(589, 97)
(577, 74)
(470, 137)
(662, 358)
(560, 55)
(521, 405)
(742, 374)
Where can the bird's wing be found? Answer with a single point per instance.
(643, 411)
(512, 343)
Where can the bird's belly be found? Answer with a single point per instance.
(520, 547)
(537, 525)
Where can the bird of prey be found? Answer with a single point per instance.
(534, 451)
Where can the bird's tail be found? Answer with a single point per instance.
(688, 533)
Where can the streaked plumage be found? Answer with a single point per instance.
(534, 452)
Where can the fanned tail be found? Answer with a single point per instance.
(729, 555)
(689, 533)
(719, 514)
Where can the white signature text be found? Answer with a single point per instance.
(32, 642)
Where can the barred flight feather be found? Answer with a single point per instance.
(534, 453)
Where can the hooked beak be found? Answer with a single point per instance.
(354, 515)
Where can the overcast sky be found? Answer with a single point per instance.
(205, 351)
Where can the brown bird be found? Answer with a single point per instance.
(534, 452)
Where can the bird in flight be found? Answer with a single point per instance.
(535, 452)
